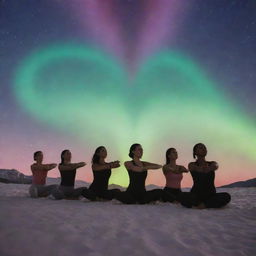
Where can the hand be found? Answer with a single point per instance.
(81, 164)
(183, 169)
(214, 165)
(53, 165)
(115, 164)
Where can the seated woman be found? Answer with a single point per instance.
(101, 174)
(137, 170)
(39, 171)
(203, 192)
(173, 175)
(68, 174)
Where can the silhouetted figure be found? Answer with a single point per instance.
(203, 193)
(39, 171)
(68, 174)
(173, 175)
(101, 174)
(137, 170)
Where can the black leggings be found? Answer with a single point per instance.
(107, 194)
(171, 194)
(216, 200)
(146, 197)
(70, 192)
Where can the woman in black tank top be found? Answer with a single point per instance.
(101, 174)
(137, 170)
(203, 193)
(68, 174)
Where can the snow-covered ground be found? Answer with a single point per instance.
(78, 227)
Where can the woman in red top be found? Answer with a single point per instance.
(39, 171)
(173, 174)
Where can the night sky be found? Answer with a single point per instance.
(78, 74)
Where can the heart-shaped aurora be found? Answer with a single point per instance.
(86, 92)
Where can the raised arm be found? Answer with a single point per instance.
(43, 167)
(69, 167)
(99, 167)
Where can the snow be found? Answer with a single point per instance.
(79, 227)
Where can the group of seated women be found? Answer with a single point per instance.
(202, 195)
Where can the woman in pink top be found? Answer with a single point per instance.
(173, 174)
(39, 171)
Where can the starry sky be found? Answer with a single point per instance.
(77, 74)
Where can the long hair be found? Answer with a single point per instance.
(96, 157)
(62, 155)
(132, 148)
(167, 155)
(37, 153)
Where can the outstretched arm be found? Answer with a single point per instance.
(99, 167)
(69, 167)
(43, 167)
(176, 169)
(207, 167)
(153, 166)
(130, 166)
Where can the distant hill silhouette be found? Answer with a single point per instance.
(241, 184)
(14, 176)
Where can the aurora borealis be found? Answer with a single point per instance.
(79, 74)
